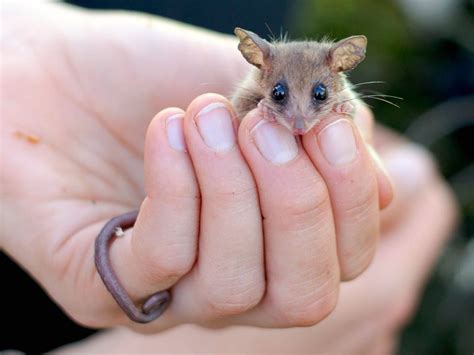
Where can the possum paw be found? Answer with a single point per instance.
(344, 107)
(266, 112)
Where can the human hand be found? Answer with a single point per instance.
(371, 309)
(77, 143)
(78, 92)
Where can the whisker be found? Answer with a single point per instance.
(384, 95)
(367, 91)
(380, 99)
(354, 98)
(369, 82)
(272, 38)
(370, 97)
(283, 37)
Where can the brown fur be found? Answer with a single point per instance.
(300, 65)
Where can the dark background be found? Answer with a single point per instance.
(424, 55)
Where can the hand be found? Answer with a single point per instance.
(372, 309)
(78, 92)
(76, 132)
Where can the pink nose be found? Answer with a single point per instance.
(299, 126)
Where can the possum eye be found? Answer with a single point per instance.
(279, 92)
(320, 92)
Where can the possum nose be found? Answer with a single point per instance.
(299, 125)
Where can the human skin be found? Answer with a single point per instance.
(371, 310)
(84, 88)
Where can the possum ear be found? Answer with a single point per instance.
(255, 50)
(347, 53)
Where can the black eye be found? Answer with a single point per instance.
(320, 92)
(279, 92)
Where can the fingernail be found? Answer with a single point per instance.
(337, 142)
(215, 127)
(174, 130)
(275, 142)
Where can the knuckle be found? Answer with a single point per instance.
(178, 189)
(167, 262)
(86, 319)
(358, 232)
(162, 185)
(312, 198)
(170, 266)
(362, 202)
(225, 194)
(305, 209)
(86, 314)
(308, 207)
(233, 298)
(221, 308)
(172, 258)
(355, 260)
(355, 264)
(308, 310)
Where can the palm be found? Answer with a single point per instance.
(90, 94)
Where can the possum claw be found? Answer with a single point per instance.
(266, 113)
(344, 107)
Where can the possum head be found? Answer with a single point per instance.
(300, 82)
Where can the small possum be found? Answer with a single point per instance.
(297, 83)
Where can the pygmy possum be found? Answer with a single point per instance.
(297, 83)
(294, 83)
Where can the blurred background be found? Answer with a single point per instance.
(423, 51)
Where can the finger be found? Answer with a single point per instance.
(300, 251)
(425, 219)
(384, 181)
(339, 153)
(405, 254)
(364, 120)
(229, 276)
(162, 246)
(409, 166)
